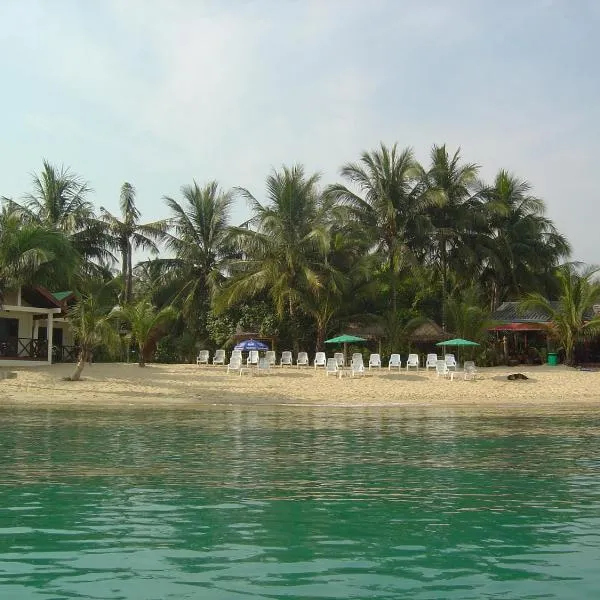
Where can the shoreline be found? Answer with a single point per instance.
(104, 385)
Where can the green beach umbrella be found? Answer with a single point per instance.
(345, 339)
(457, 342)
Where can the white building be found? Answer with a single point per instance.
(33, 328)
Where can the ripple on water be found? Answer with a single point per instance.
(282, 503)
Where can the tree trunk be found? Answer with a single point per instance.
(444, 283)
(124, 275)
(320, 336)
(83, 357)
(129, 273)
(141, 356)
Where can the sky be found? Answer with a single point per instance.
(163, 92)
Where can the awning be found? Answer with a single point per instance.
(519, 327)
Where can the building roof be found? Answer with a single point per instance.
(40, 297)
(509, 312)
(428, 332)
(61, 296)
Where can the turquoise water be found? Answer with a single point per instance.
(297, 503)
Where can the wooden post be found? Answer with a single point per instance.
(49, 336)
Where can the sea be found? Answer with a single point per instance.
(267, 502)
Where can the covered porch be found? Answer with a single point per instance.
(32, 329)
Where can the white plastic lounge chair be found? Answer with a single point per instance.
(320, 359)
(235, 364)
(395, 361)
(302, 360)
(374, 361)
(356, 356)
(219, 357)
(450, 361)
(286, 359)
(357, 367)
(412, 361)
(202, 358)
(331, 368)
(431, 361)
(252, 358)
(339, 357)
(441, 368)
(264, 366)
(270, 356)
(470, 370)
(236, 353)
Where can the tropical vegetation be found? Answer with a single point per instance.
(393, 244)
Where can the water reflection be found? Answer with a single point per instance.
(289, 503)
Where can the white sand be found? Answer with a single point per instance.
(128, 384)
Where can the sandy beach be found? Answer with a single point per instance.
(160, 385)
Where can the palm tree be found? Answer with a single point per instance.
(200, 246)
(58, 202)
(33, 254)
(145, 322)
(523, 245)
(91, 319)
(283, 252)
(128, 234)
(392, 210)
(570, 318)
(453, 211)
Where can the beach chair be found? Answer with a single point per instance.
(450, 361)
(252, 358)
(431, 361)
(219, 357)
(356, 355)
(235, 364)
(442, 370)
(320, 360)
(286, 359)
(470, 370)
(394, 362)
(357, 367)
(339, 357)
(237, 353)
(270, 356)
(202, 358)
(374, 361)
(331, 368)
(302, 360)
(412, 361)
(263, 366)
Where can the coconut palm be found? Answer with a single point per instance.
(453, 210)
(392, 210)
(33, 254)
(523, 245)
(59, 201)
(284, 247)
(199, 243)
(146, 324)
(92, 322)
(571, 318)
(128, 234)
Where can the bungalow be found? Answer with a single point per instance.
(33, 327)
(525, 329)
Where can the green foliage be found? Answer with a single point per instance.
(146, 324)
(92, 322)
(398, 244)
(570, 320)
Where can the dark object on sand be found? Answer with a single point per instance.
(516, 376)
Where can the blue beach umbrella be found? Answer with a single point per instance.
(250, 344)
